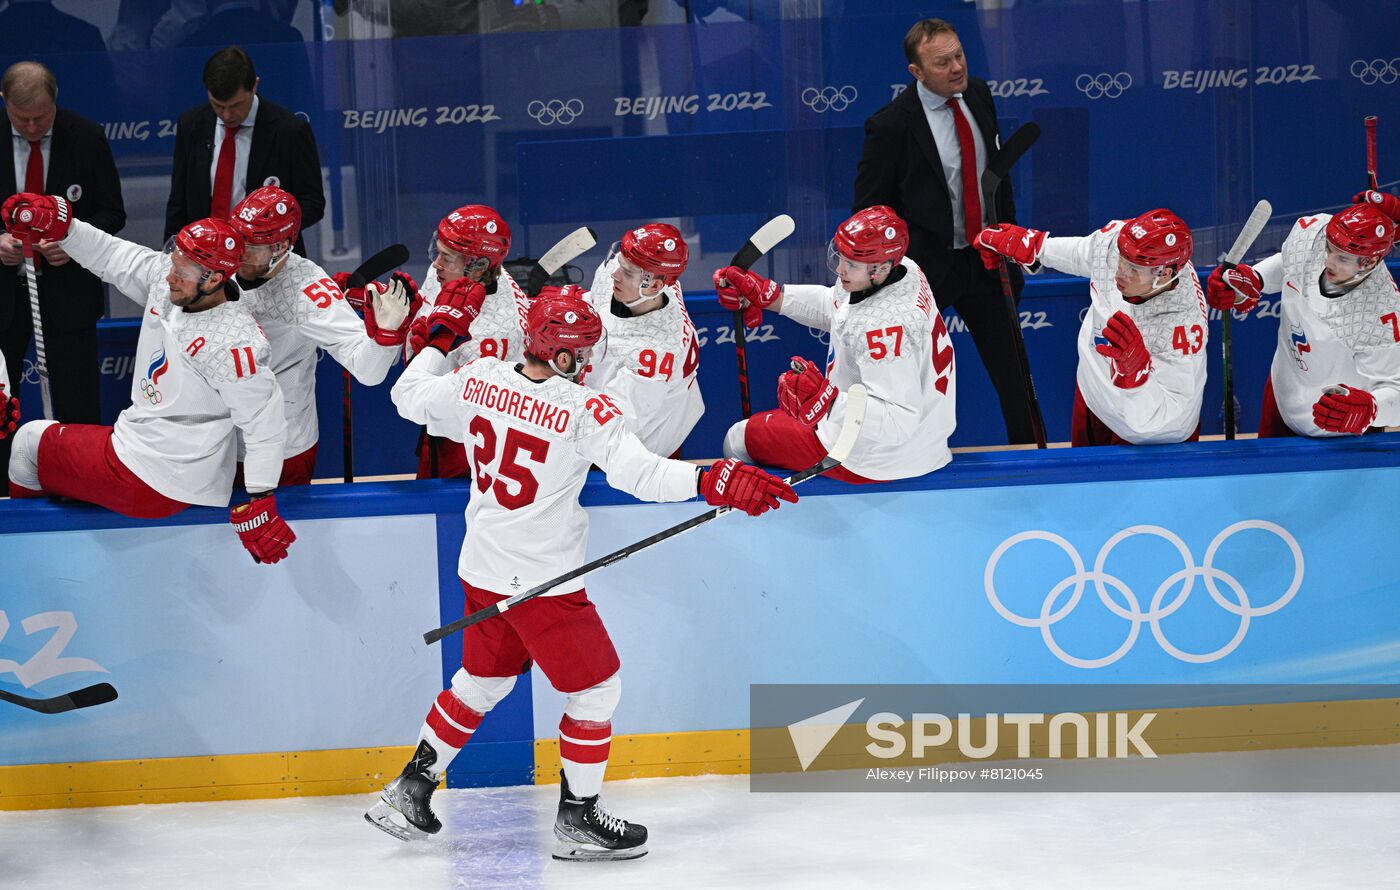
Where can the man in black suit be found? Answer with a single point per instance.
(913, 161)
(270, 146)
(54, 151)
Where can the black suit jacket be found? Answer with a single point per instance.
(900, 166)
(81, 163)
(283, 147)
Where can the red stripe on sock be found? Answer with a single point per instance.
(584, 741)
(465, 718)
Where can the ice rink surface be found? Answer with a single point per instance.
(710, 831)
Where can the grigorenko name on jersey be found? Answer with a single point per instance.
(516, 404)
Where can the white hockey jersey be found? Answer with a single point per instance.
(530, 445)
(5, 376)
(1352, 340)
(499, 330)
(1167, 408)
(896, 344)
(650, 366)
(300, 309)
(198, 376)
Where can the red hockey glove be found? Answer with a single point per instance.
(1387, 204)
(730, 483)
(805, 393)
(1017, 244)
(390, 309)
(740, 289)
(9, 414)
(1131, 362)
(32, 218)
(355, 296)
(450, 321)
(1345, 409)
(266, 534)
(1236, 289)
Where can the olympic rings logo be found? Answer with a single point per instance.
(1239, 606)
(1103, 86)
(149, 390)
(555, 111)
(30, 373)
(829, 98)
(1376, 71)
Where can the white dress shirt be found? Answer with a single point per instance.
(243, 144)
(945, 136)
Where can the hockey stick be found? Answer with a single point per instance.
(850, 431)
(1258, 218)
(41, 361)
(768, 236)
(998, 166)
(1370, 122)
(382, 263)
(81, 698)
(569, 247)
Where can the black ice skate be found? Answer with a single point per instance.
(404, 808)
(587, 832)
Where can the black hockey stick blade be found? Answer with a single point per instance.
(569, 248)
(768, 236)
(382, 263)
(1000, 164)
(86, 697)
(856, 400)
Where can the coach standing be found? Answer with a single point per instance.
(924, 156)
(236, 143)
(55, 152)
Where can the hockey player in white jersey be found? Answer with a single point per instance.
(533, 431)
(9, 403)
(886, 333)
(201, 373)
(653, 353)
(1336, 369)
(1142, 344)
(466, 252)
(300, 308)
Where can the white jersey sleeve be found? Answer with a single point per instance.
(426, 394)
(130, 268)
(242, 376)
(1271, 271)
(809, 304)
(606, 441)
(1074, 256)
(5, 376)
(330, 323)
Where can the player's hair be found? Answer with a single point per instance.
(227, 70)
(24, 82)
(922, 31)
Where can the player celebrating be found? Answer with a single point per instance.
(885, 333)
(299, 308)
(1142, 344)
(467, 250)
(652, 354)
(1336, 370)
(202, 372)
(534, 431)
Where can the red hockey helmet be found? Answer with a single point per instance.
(558, 321)
(656, 248)
(476, 231)
(1361, 230)
(1156, 238)
(267, 216)
(873, 235)
(213, 244)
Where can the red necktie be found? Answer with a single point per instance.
(223, 176)
(972, 203)
(34, 173)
